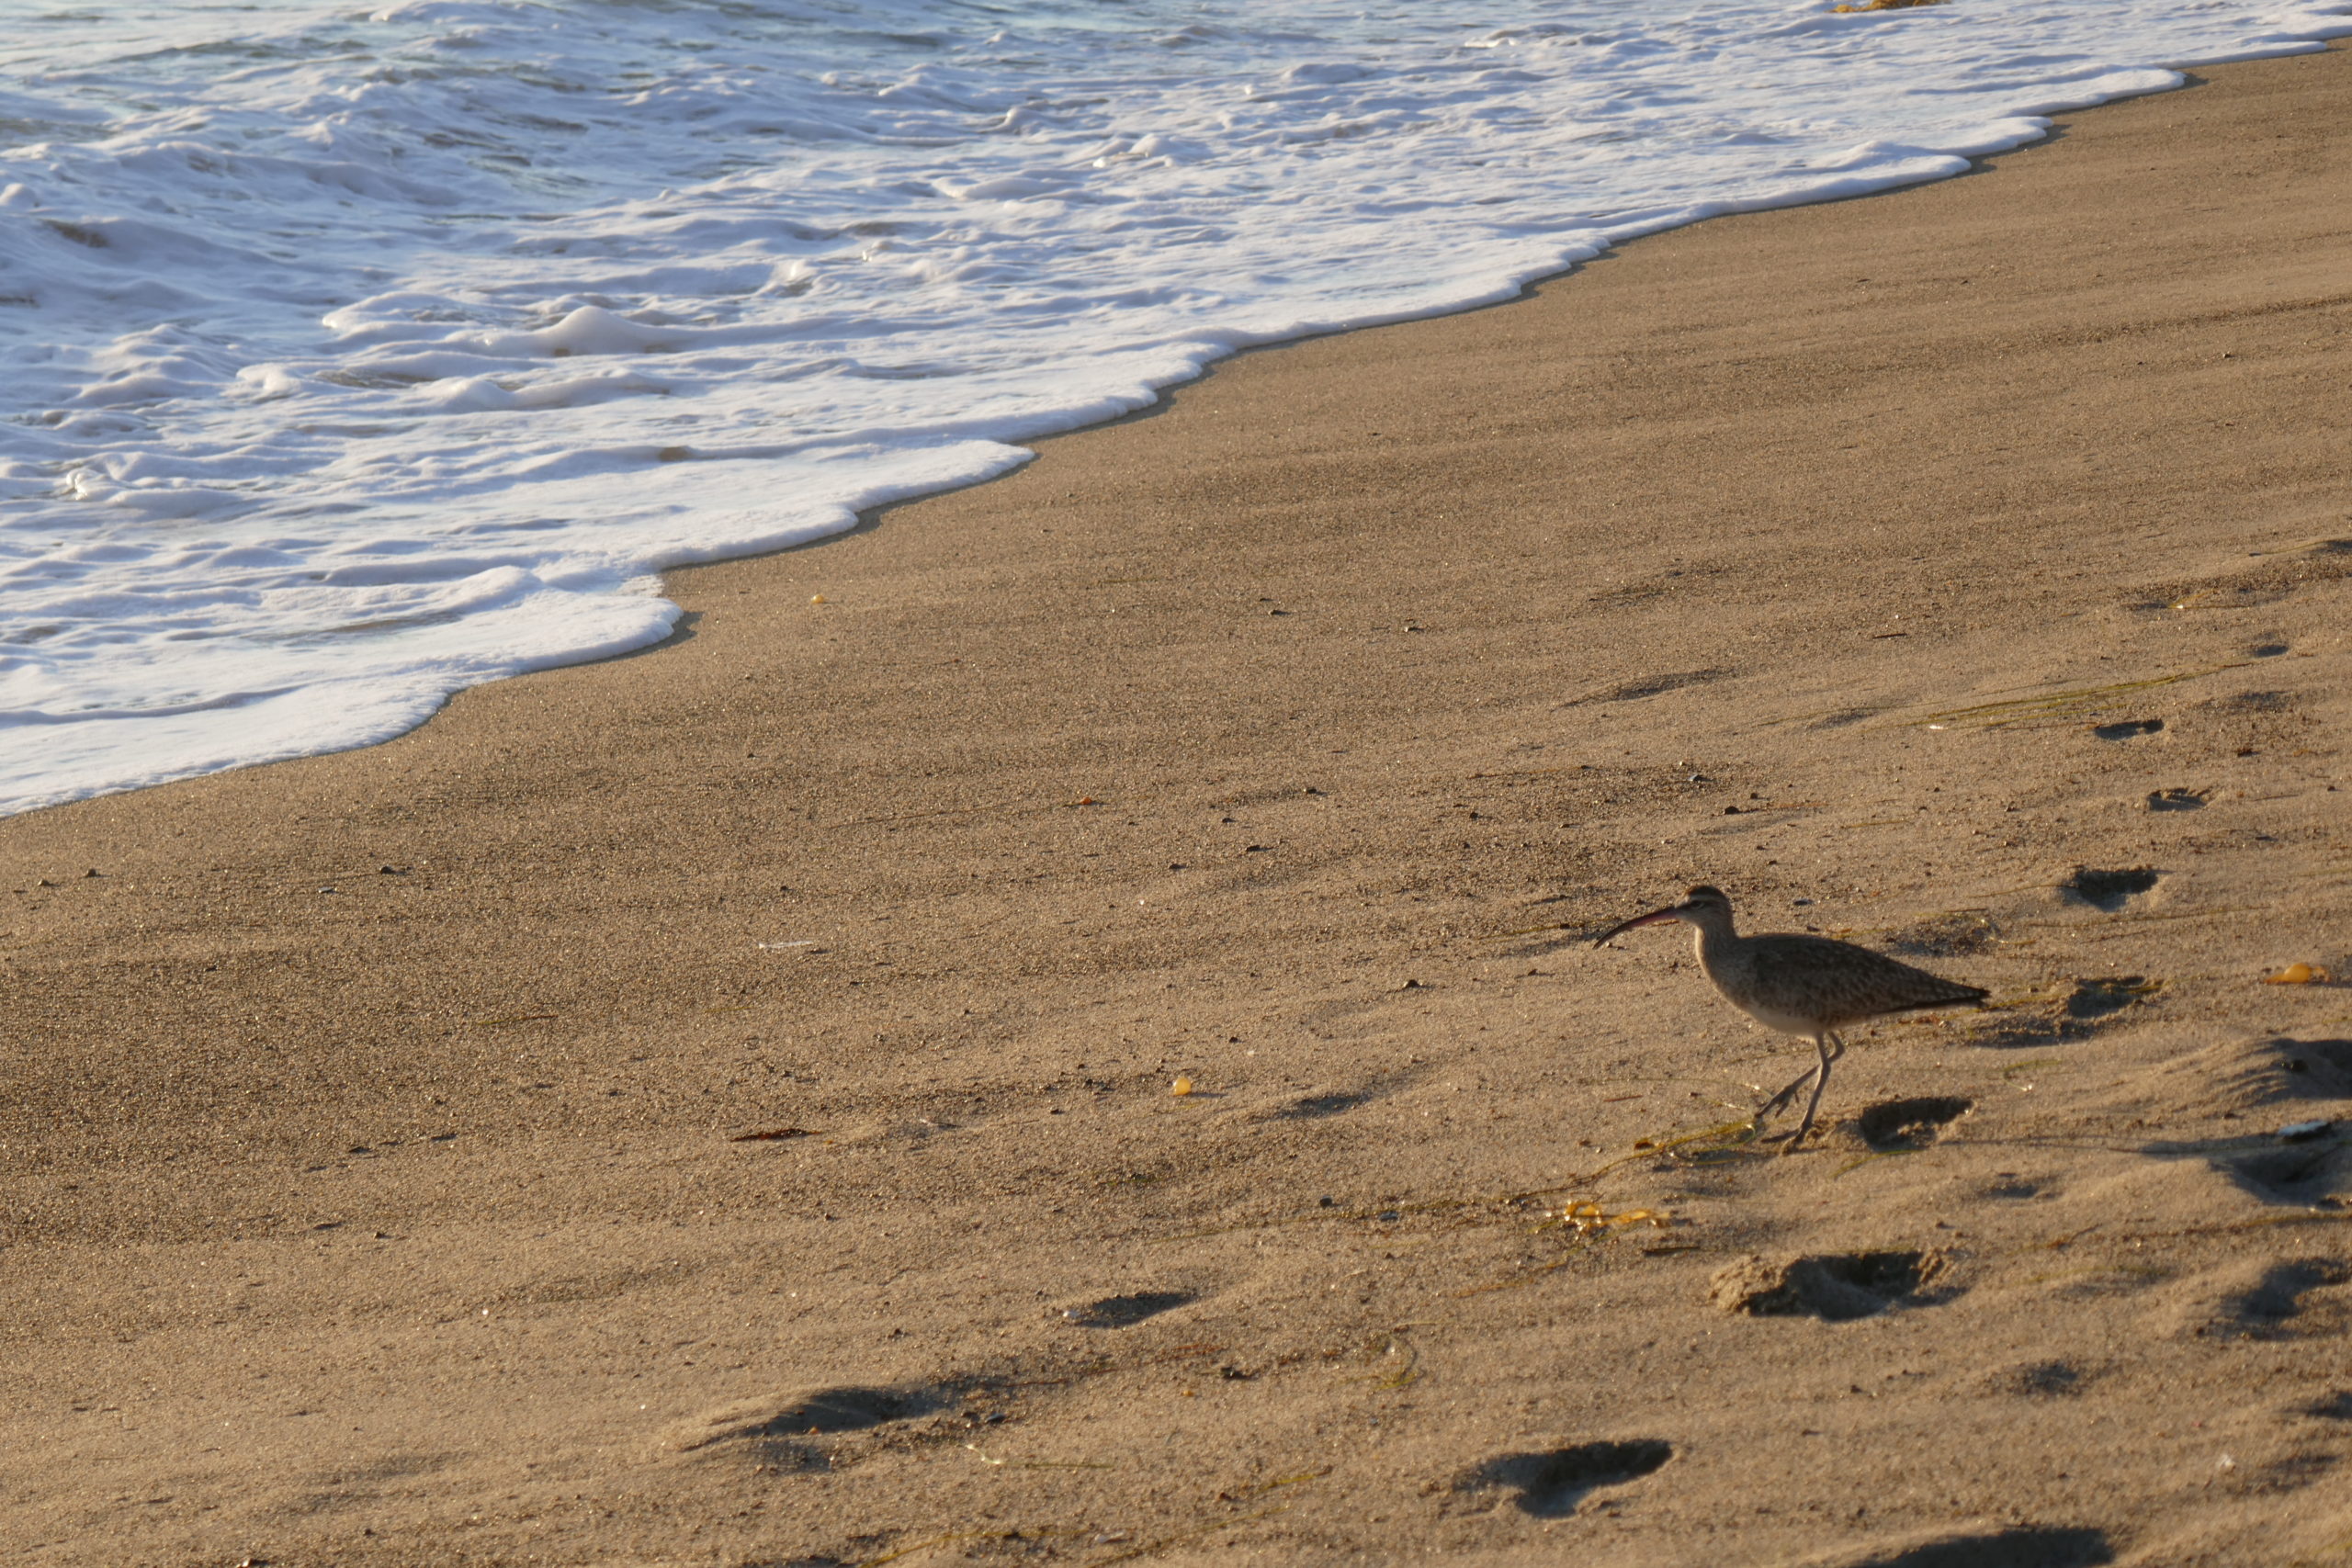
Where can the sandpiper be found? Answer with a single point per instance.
(1801, 985)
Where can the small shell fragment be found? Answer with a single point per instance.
(816, 598)
(1181, 1086)
(2302, 1132)
(2296, 975)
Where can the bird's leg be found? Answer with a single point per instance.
(1786, 1095)
(1831, 1048)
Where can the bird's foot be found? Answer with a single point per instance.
(1795, 1138)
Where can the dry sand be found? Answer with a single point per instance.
(372, 1124)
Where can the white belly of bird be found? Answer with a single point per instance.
(1772, 1018)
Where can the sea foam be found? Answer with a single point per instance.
(359, 357)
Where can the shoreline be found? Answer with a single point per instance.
(1281, 741)
(264, 717)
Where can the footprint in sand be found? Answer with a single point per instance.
(772, 1425)
(2108, 993)
(2297, 1298)
(1913, 1123)
(2333, 1405)
(1653, 686)
(2110, 890)
(2272, 1078)
(2013, 1187)
(2309, 1175)
(1125, 1311)
(2087, 1006)
(2301, 1153)
(2178, 799)
(1319, 1102)
(1960, 934)
(2318, 1069)
(2286, 1302)
(2279, 575)
(1313, 1107)
(1835, 1287)
(2043, 1380)
(1550, 1484)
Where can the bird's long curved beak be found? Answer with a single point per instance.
(1655, 917)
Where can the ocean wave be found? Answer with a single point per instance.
(360, 357)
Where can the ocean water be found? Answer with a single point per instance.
(355, 355)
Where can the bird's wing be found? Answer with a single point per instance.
(1815, 976)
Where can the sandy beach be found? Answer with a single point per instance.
(715, 1106)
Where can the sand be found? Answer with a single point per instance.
(376, 1127)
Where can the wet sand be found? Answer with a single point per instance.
(377, 1127)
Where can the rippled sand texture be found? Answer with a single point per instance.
(713, 1107)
